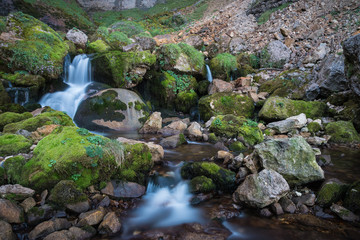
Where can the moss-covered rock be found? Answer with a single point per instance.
(10, 117)
(185, 101)
(12, 168)
(233, 126)
(2, 176)
(223, 179)
(33, 46)
(223, 65)
(99, 46)
(66, 192)
(75, 154)
(225, 103)
(331, 192)
(12, 107)
(123, 69)
(314, 127)
(13, 144)
(352, 197)
(113, 40)
(277, 108)
(45, 118)
(181, 58)
(201, 184)
(213, 138)
(342, 132)
(237, 147)
(290, 84)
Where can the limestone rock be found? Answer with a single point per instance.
(27, 204)
(92, 217)
(6, 232)
(173, 128)
(300, 120)
(218, 85)
(10, 212)
(173, 141)
(194, 131)
(157, 151)
(279, 52)
(344, 213)
(283, 126)
(110, 225)
(78, 37)
(153, 124)
(261, 189)
(17, 191)
(47, 227)
(123, 190)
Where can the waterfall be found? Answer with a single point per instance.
(77, 75)
(209, 75)
(19, 95)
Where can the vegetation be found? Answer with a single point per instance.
(223, 66)
(266, 15)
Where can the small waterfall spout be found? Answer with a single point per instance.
(78, 76)
(209, 75)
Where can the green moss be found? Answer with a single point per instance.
(342, 132)
(196, 58)
(99, 46)
(24, 79)
(2, 176)
(66, 192)
(203, 87)
(46, 118)
(12, 167)
(225, 103)
(41, 50)
(223, 65)
(213, 138)
(185, 101)
(222, 178)
(11, 107)
(10, 117)
(266, 15)
(277, 108)
(129, 28)
(314, 127)
(107, 102)
(170, 53)
(237, 147)
(330, 193)
(201, 184)
(13, 144)
(247, 63)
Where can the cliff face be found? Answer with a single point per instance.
(107, 5)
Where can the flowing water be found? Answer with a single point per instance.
(209, 75)
(77, 75)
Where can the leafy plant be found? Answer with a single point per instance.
(52, 163)
(97, 140)
(217, 122)
(250, 123)
(93, 151)
(82, 131)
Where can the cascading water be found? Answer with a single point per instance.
(209, 75)
(78, 76)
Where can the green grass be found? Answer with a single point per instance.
(266, 15)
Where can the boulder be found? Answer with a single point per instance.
(123, 189)
(146, 43)
(225, 103)
(115, 109)
(78, 37)
(153, 124)
(15, 192)
(223, 66)
(331, 191)
(60, 235)
(261, 189)
(344, 213)
(6, 232)
(27, 204)
(92, 217)
(47, 227)
(293, 158)
(279, 52)
(201, 184)
(37, 215)
(283, 126)
(300, 120)
(10, 212)
(174, 128)
(13, 144)
(352, 197)
(173, 141)
(342, 132)
(194, 131)
(351, 48)
(110, 225)
(218, 85)
(11, 117)
(277, 108)
(157, 151)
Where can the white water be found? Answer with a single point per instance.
(77, 76)
(209, 75)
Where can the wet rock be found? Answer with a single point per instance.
(17, 192)
(6, 232)
(105, 202)
(110, 225)
(316, 141)
(93, 217)
(47, 227)
(153, 124)
(27, 204)
(194, 131)
(276, 209)
(173, 128)
(10, 212)
(287, 205)
(307, 199)
(78, 37)
(81, 233)
(38, 214)
(236, 163)
(157, 151)
(342, 132)
(331, 191)
(218, 85)
(300, 120)
(261, 189)
(303, 209)
(352, 197)
(201, 184)
(344, 213)
(60, 235)
(44, 195)
(173, 141)
(224, 156)
(79, 207)
(283, 126)
(293, 158)
(279, 52)
(250, 164)
(123, 189)
(242, 173)
(265, 212)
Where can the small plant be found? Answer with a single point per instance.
(280, 104)
(97, 140)
(217, 122)
(93, 151)
(65, 140)
(52, 163)
(76, 176)
(250, 123)
(82, 131)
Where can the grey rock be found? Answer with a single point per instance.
(351, 48)
(293, 158)
(153, 124)
(276, 209)
(194, 131)
(262, 189)
(16, 191)
(78, 37)
(283, 126)
(6, 232)
(172, 141)
(173, 128)
(105, 202)
(237, 45)
(60, 235)
(38, 214)
(123, 189)
(287, 205)
(195, 40)
(308, 199)
(47, 227)
(344, 213)
(83, 233)
(10, 212)
(279, 52)
(300, 120)
(79, 207)
(92, 217)
(265, 212)
(23, 132)
(27, 204)
(157, 151)
(110, 225)
(312, 91)
(146, 43)
(219, 85)
(303, 209)
(242, 173)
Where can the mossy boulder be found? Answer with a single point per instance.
(201, 184)
(223, 66)
(114, 40)
(233, 126)
(290, 84)
(116, 109)
(225, 103)
(122, 69)
(181, 58)
(45, 118)
(314, 127)
(237, 147)
(342, 132)
(12, 107)
(331, 192)
(98, 46)
(75, 154)
(185, 101)
(223, 179)
(12, 168)
(33, 46)
(277, 108)
(66, 192)
(13, 144)
(352, 197)
(11, 117)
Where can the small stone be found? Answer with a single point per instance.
(10, 212)
(303, 209)
(344, 213)
(277, 209)
(110, 225)
(27, 204)
(93, 217)
(265, 212)
(47, 227)
(308, 199)
(16, 191)
(287, 205)
(43, 196)
(224, 156)
(6, 232)
(123, 189)
(105, 202)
